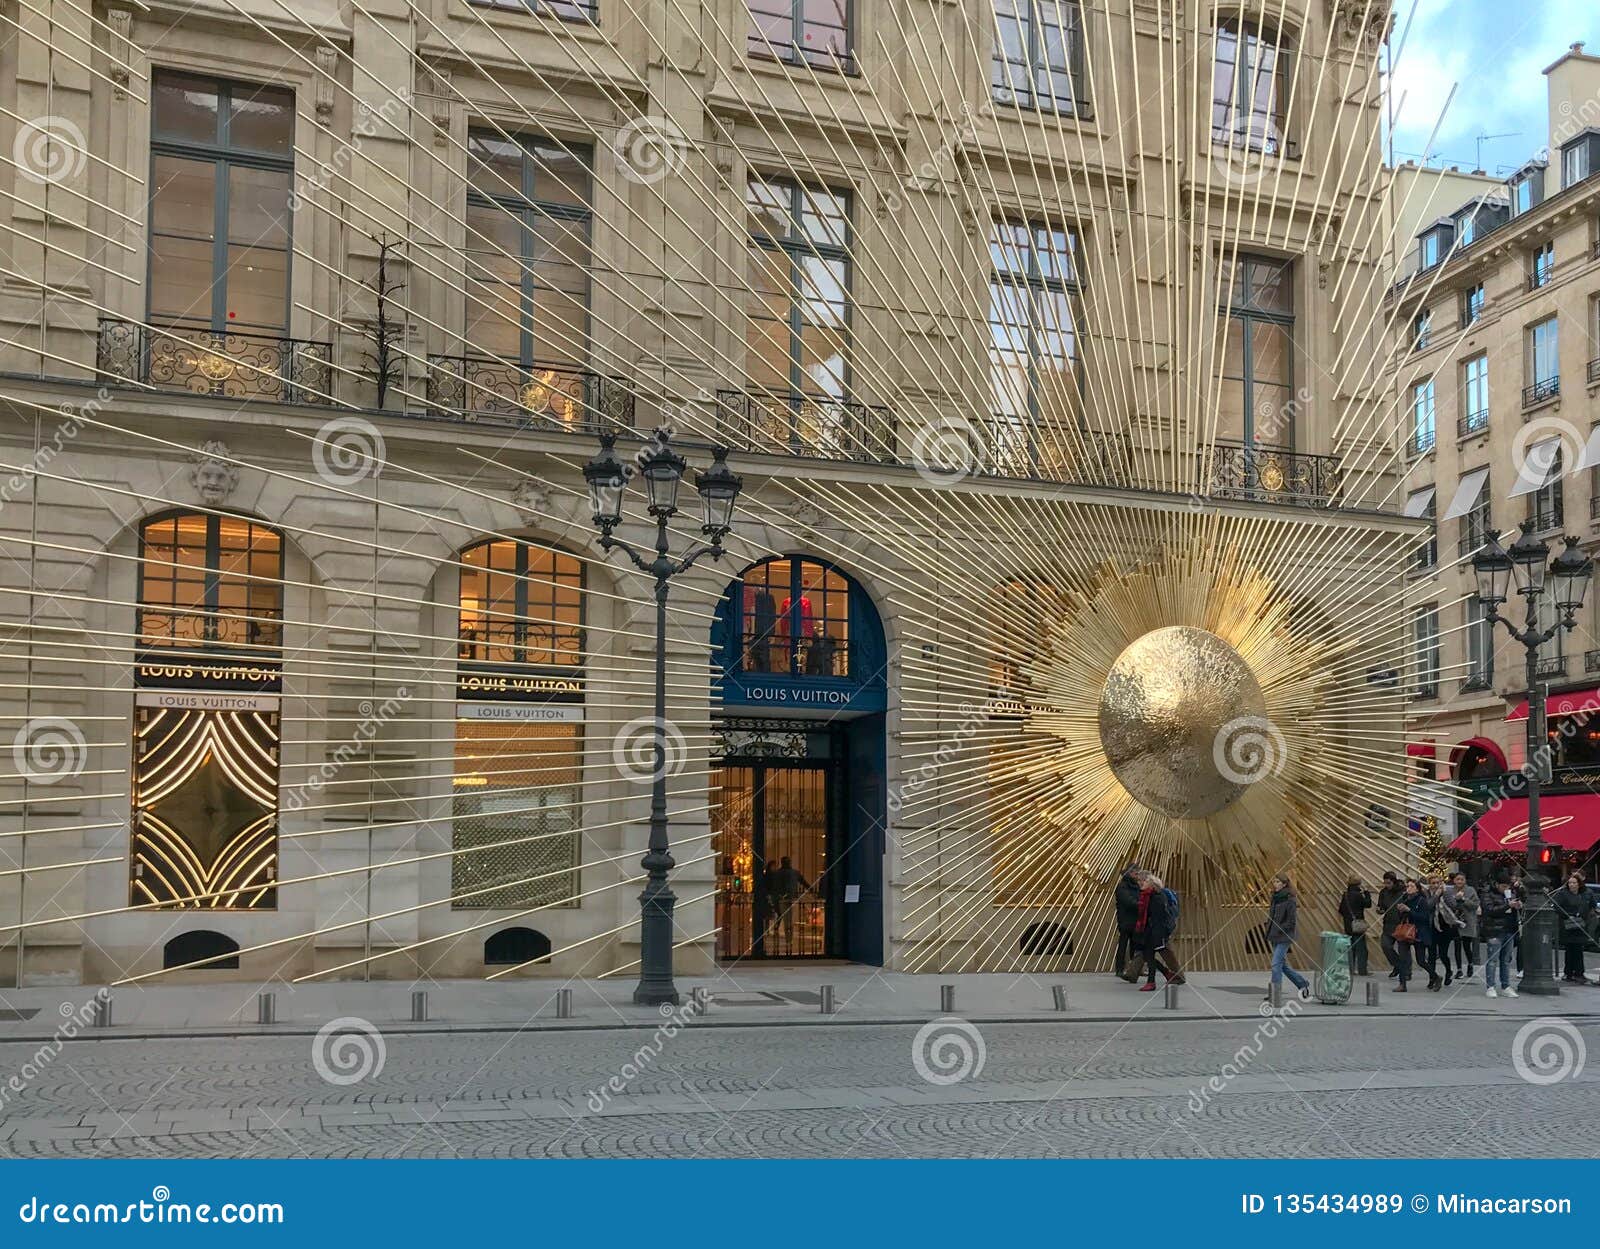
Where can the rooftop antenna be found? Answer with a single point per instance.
(1484, 138)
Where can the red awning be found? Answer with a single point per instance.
(1570, 820)
(1421, 750)
(1571, 703)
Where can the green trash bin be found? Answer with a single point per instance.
(1333, 981)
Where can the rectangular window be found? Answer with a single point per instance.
(1542, 362)
(1250, 86)
(1475, 394)
(567, 10)
(1521, 194)
(1425, 656)
(1038, 57)
(1033, 341)
(1480, 646)
(1542, 266)
(222, 169)
(1547, 504)
(1477, 527)
(527, 250)
(1466, 229)
(803, 32)
(1258, 353)
(1575, 163)
(1421, 329)
(1429, 249)
(1423, 430)
(1472, 305)
(1422, 504)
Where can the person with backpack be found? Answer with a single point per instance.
(1153, 926)
(1283, 926)
(1353, 908)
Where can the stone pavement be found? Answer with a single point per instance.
(746, 995)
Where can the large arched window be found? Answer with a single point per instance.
(210, 581)
(519, 727)
(795, 616)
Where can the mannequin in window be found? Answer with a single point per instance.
(822, 654)
(764, 622)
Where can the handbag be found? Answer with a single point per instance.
(1406, 931)
(1358, 927)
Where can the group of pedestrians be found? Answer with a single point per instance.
(1147, 916)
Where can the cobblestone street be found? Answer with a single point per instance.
(1323, 1087)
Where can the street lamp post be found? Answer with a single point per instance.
(607, 478)
(1528, 562)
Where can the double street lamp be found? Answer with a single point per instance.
(1528, 570)
(607, 478)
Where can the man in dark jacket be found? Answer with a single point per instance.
(1283, 926)
(1502, 911)
(1127, 902)
(1387, 897)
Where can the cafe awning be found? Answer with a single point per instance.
(1570, 820)
(1570, 703)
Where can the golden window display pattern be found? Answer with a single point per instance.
(516, 815)
(205, 800)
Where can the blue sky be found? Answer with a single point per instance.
(1496, 50)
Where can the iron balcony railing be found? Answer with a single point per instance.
(1550, 666)
(812, 426)
(1426, 689)
(1267, 474)
(1474, 533)
(233, 364)
(1594, 369)
(1546, 511)
(1477, 681)
(1420, 442)
(1594, 507)
(1591, 661)
(557, 397)
(1472, 423)
(1549, 388)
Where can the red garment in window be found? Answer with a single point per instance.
(806, 616)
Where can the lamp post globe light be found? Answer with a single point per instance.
(662, 469)
(1527, 569)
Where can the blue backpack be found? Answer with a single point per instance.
(1172, 905)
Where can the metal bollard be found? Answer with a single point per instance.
(1059, 993)
(947, 999)
(1372, 992)
(1275, 994)
(700, 999)
(563, 1003)
(266, 1008)
(1172, 996)
(826, 996)
(102, 1012)
(419, 1006)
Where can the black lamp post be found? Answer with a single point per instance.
(1528, 563)
(607, 477)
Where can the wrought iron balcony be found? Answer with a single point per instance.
(232, 364)
(1550, 666)
(1591, 661)
(1472, 423)
(1594, 507)
(1549, 388)
(1476, 682)
(813, 426)
(1268, 475)
(1473, 535)
(556, 397)
(1426, 689)
(1420, 443)
(1594, 370)
(1546, 511)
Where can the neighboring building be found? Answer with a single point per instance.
(310, 315)
(1496, 314)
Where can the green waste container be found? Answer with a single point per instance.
(1333, 982)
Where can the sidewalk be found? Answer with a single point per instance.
(742, 996)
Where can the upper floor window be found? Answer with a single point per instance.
(1542, 265)
(1038, 54)
(1525, 188)
(1475, 394)
(1033, 341)
(798, 330)
(795, 619)
(1472, 304)
(568, 10)
(527, 250)
(1250, 86)
(520, 604)
(1480, 645)
(1428, 249)
(1421, 329)
(222, 168)
(1425, 635)
(1423, 429)
(1466, 229)
(1471, 506)
(805, 32)
(1542, 361)
(210, 581)
(1575, 161)
(1258, 352)
(1422, 505)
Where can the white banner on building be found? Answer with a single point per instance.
(544, 713)
(205, 700)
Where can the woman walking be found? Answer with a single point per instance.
(1152, 930)
(1402, 931)
(1573, 906)
(1353, 908)
(1470, 907)
(1283, 923)
(1447, 923)
(1419, 901)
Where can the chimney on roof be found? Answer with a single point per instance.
(1577, 48)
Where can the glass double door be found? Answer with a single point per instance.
(773, 834)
